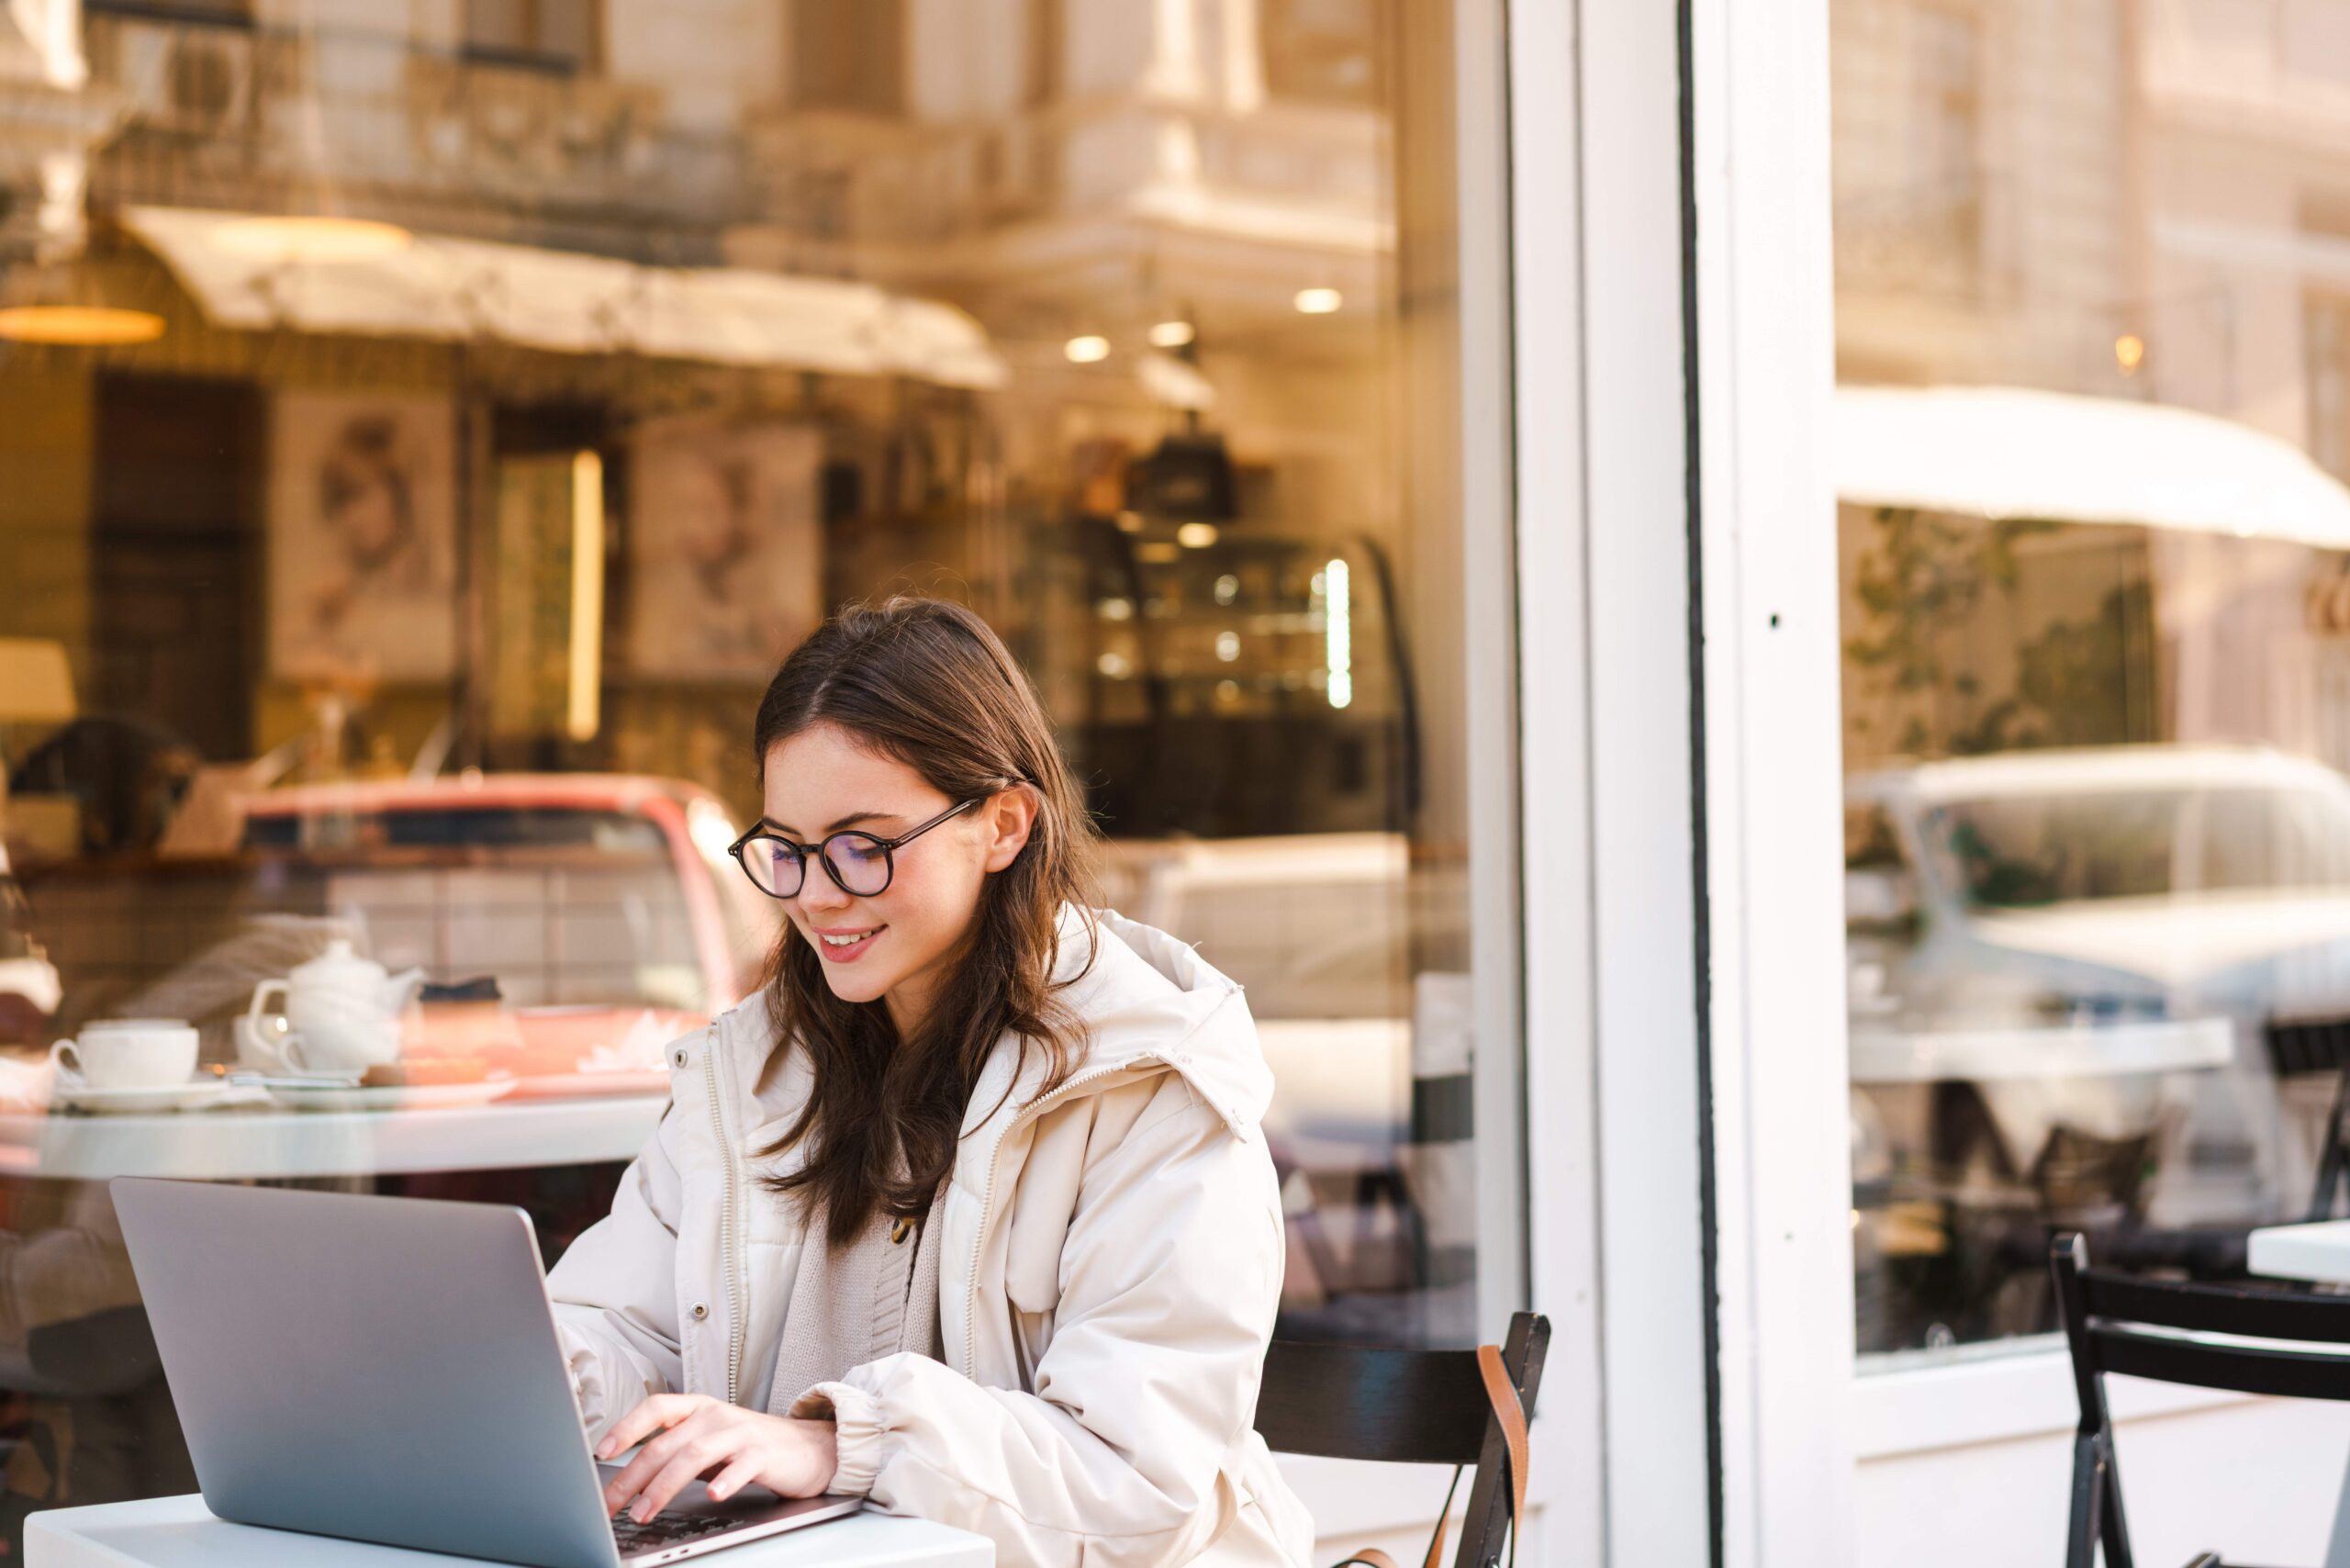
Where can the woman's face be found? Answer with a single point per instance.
(897, 946)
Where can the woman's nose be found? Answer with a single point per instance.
(820, 891)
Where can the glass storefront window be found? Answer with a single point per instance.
(2094, 528)
(422, 434)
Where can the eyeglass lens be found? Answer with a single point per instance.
(859, 862)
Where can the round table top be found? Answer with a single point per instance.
(260, 1142)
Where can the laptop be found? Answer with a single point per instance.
(386, 1370)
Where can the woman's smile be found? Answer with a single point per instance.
(844, 944)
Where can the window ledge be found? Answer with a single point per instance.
(1997, 1399)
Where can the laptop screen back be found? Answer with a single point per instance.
(381, 1368)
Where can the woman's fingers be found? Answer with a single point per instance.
(701, 1451)
(677, 1428)
(649, 1416)
(739, 1472)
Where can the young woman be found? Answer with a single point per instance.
(969, 1210)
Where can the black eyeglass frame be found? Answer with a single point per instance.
(888, 847)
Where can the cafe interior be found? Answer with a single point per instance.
(419, 442)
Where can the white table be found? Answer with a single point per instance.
(180, 1532)
(264, 1143)
(2320, 1251)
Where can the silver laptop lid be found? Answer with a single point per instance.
(380, 1369)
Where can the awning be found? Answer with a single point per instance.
(2001, 452)
(455, 289)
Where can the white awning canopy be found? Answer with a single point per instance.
(454, 289)
(2001, 452)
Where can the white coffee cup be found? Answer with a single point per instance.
(127, 1053)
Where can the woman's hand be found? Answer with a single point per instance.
(687, 1435)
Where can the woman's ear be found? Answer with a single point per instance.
(1008, 818)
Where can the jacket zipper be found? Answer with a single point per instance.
(726, 1219)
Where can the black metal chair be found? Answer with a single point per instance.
(2119, 1323)
(1410, 1408)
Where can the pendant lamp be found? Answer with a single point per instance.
(71, 303)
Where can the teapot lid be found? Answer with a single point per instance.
(337, 967)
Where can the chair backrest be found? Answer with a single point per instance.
(2119, 1323)
(1406, 1406)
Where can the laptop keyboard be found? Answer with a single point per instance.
(666, 1529)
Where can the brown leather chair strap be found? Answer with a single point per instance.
(1502, 1395)
(1512, 1415)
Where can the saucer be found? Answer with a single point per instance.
(146, 1098)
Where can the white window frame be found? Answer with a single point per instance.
(1773, 784)
(1613, 1080)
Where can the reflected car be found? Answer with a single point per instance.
(2079, 890)
(573, 888)
(599, 908)
(2130, 880)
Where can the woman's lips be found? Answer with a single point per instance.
(836, 950)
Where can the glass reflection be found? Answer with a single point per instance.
(528, 378)
(2092, 533)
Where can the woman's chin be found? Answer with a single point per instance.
(851, 982)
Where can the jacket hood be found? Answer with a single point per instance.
(1146, 998)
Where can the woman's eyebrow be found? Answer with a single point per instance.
(849, 821)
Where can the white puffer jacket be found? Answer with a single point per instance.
(1111, 1264)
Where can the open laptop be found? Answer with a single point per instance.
(386, 1370)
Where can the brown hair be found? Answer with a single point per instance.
(926, 683)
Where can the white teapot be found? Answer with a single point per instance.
(342, 1014)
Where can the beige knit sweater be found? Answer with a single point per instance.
(872, 1298)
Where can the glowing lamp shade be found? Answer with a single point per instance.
(1088, 349)
(36, 683)
(1171, 334)
(314, 237)
(79, 326)
(1318, 301)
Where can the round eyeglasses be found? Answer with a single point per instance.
(858, 863)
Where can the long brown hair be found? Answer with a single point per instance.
(926, 683)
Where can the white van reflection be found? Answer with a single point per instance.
(2107, 879)
(2086, 945)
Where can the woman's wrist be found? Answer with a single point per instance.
(851, 1416)
(826, 1436)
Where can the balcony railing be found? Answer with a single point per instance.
(236, 116)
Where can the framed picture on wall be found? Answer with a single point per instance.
(725, 548)
(362, 559)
